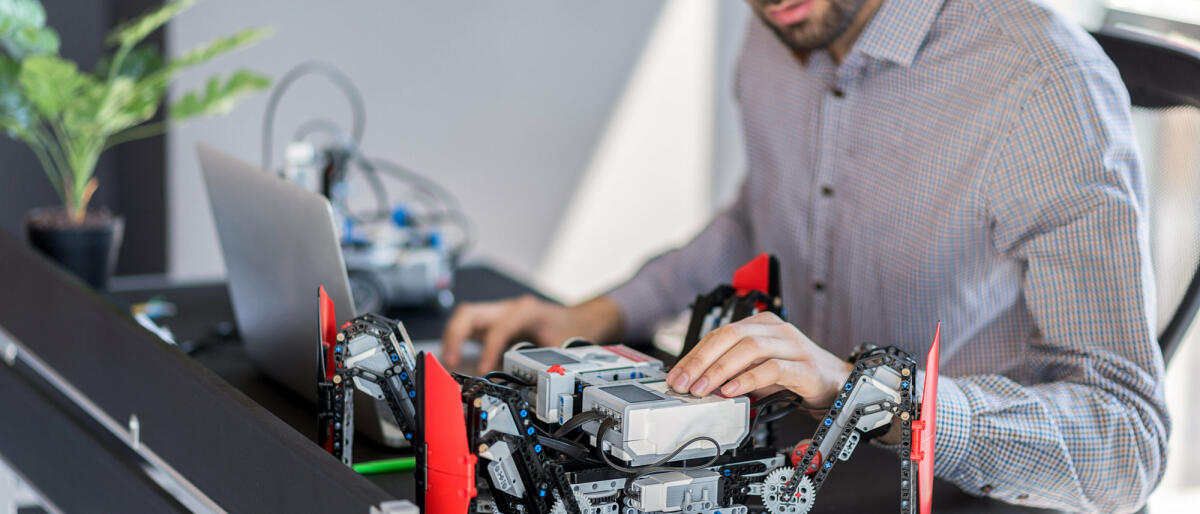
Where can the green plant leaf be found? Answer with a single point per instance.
(205, 53)
(16, 115)
(133, 32)
(23, 30)
(107, 108)
(142, 61)
(218, 97)
(50, 83)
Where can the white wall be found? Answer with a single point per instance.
(645, 189)
(1089, 13)
(512, 105)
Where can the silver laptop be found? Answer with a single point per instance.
(280, 243)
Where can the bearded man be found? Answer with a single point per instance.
(909, 161)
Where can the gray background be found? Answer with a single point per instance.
(502, 102)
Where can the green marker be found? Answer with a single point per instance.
(386, 465)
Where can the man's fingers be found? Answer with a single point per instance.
(733, 362)
(758, 377)
(458, 329)
(687, 372)
(514, 320)
(466, 321)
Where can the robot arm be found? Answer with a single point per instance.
(755, 289)
(375, 355)
(520, 473)
(367, 355)
(878, 392)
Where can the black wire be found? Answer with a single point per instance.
(775, 397)
(335, 76)
(577, 341)
(568, 448)
(790, 401)
(576, 421)
(345, 140)
(507, 377)
(657, 466)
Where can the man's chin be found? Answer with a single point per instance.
(802, 38)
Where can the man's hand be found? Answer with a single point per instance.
(497, 324)
(756, 353)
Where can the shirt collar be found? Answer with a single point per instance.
(898, 30)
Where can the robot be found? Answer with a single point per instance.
(399, 253)
(755, 289)
(588, 429)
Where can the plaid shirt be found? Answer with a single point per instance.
(970, 161)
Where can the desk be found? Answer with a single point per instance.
(866, 483)
(77, 371)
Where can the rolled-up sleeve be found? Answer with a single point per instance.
(1067, 199)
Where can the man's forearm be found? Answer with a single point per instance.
(1061, 445)
(667, 283)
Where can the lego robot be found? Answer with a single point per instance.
(587, 429)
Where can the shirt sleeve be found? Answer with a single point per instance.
(669, 282)
(1067, 200)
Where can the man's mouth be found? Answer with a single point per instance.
(789, 12)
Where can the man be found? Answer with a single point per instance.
(969, 161)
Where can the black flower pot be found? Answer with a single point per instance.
(89, 250)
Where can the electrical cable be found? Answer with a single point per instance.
(441, 206)
(577, 421)
(338, 79)
(654, 467)
(382, 211)
(788, 399)
(507, 377)
(576, 341)
(449, 208)
(573, 450)
(775, 397)
(346, 141)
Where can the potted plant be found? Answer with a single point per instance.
(69, 117)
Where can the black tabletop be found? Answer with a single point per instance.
(99, 415)
(868, 482)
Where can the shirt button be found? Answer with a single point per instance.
(826, 191)
(839, 93)
(819, 286)
(986, 489)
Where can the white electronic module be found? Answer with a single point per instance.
(652, 421)
(561, 373)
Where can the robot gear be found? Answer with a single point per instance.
(584, 503)
(798, 502)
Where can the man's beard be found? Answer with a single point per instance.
(806, 37)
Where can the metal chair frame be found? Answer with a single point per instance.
(1159, 75)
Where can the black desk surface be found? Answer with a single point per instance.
(76, 368)
(866, 483)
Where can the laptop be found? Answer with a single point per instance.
(280, 244)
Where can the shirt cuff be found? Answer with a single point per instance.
(952, 440)
(641, 307)
(951, 443)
